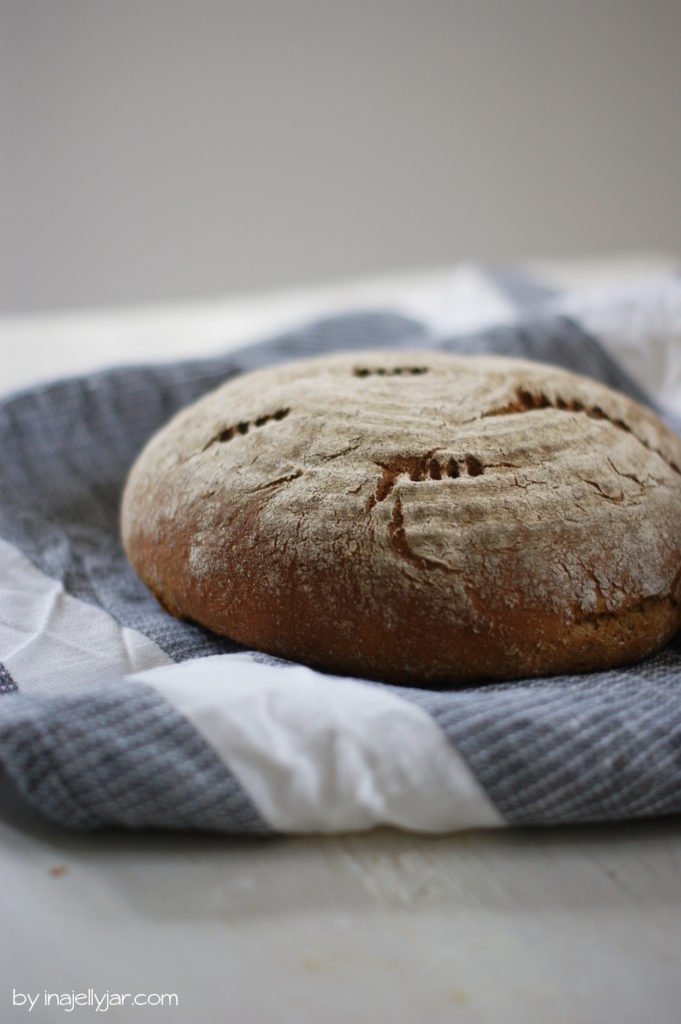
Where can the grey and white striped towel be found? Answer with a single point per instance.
(114, 713)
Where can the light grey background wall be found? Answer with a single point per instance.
(157, 149)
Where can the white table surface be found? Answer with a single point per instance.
(561, 925)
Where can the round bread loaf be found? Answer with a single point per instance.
(415, 517)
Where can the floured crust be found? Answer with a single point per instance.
(416, 517)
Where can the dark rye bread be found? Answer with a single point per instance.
(417, 518)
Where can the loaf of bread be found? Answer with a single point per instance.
(416, 518)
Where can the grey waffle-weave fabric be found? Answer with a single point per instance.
(120, 755)
(583, 748)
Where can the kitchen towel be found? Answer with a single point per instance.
(114, 713)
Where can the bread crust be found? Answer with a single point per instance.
(416, 517)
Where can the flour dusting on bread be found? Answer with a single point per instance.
(416, 517)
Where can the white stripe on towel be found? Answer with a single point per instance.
(640, 326)
(320, 753)
(54, 643)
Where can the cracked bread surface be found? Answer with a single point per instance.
(416, 517)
